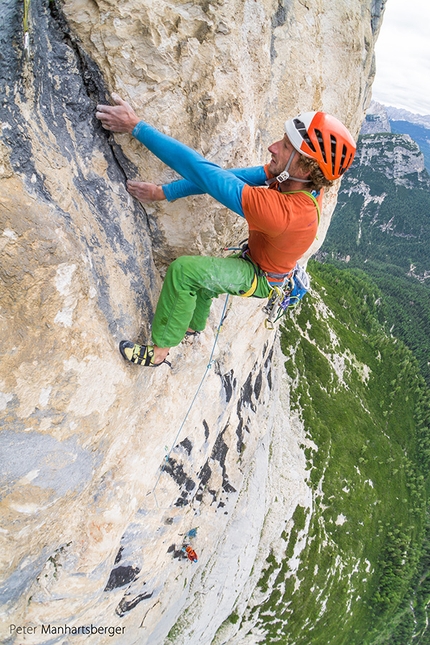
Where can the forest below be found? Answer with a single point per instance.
(377, 260)
(366, 407)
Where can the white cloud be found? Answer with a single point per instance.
(403, 56)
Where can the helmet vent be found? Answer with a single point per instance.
(301, 129)
(344, 153)
(319, 136)
(333, 143)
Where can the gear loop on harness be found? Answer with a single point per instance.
(286, 297)
(258, 271)
(286, 289)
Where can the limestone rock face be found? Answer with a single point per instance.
(376, 120)
(396, 155)
(105, 467)
(223, 77)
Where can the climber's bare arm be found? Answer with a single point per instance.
(145, 192)
(119, 117)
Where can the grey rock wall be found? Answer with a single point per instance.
(376, 120)
(396, 155)
(105, 467)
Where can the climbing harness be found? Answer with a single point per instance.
(286, 296)
(292, 286)
(258, 273)
(252, 288)
(243, 252)
(208, 367)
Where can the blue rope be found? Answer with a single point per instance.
(208, 366)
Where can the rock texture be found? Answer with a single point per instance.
(396, 155)
(376, 120)
(104, 466)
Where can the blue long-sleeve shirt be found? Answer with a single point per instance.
(253, 176)
(282, 226)
(200, 175)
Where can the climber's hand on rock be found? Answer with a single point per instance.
(117, 118)
(145, 192)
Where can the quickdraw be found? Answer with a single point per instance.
(286, 297)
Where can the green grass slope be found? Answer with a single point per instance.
(362, 578)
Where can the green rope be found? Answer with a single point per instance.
(26, 12)
(26, 25)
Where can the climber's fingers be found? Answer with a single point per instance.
(118, 118)
(118, 100)
(145, 192)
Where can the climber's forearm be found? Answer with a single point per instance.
(179, 189)
(209, 178)
(253, 176)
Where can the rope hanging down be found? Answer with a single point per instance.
(208, 366)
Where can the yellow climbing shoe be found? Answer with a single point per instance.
(139, 354)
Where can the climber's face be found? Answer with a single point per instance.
(281, 152)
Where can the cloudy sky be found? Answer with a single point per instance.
(403, 56)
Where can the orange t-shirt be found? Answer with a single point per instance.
(282, 226)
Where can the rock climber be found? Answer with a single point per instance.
(280, 201)
(191, 554)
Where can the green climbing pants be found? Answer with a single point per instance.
(190, 285)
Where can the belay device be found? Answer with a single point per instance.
(286, 296)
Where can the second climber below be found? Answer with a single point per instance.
(280, 201)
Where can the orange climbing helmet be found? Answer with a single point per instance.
(191, 554)
(324, 138)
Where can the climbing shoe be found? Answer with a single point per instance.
(139, 354)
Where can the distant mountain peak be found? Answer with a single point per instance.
(382, 119)
(398, 114)
(376, 120)
(397, 156)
